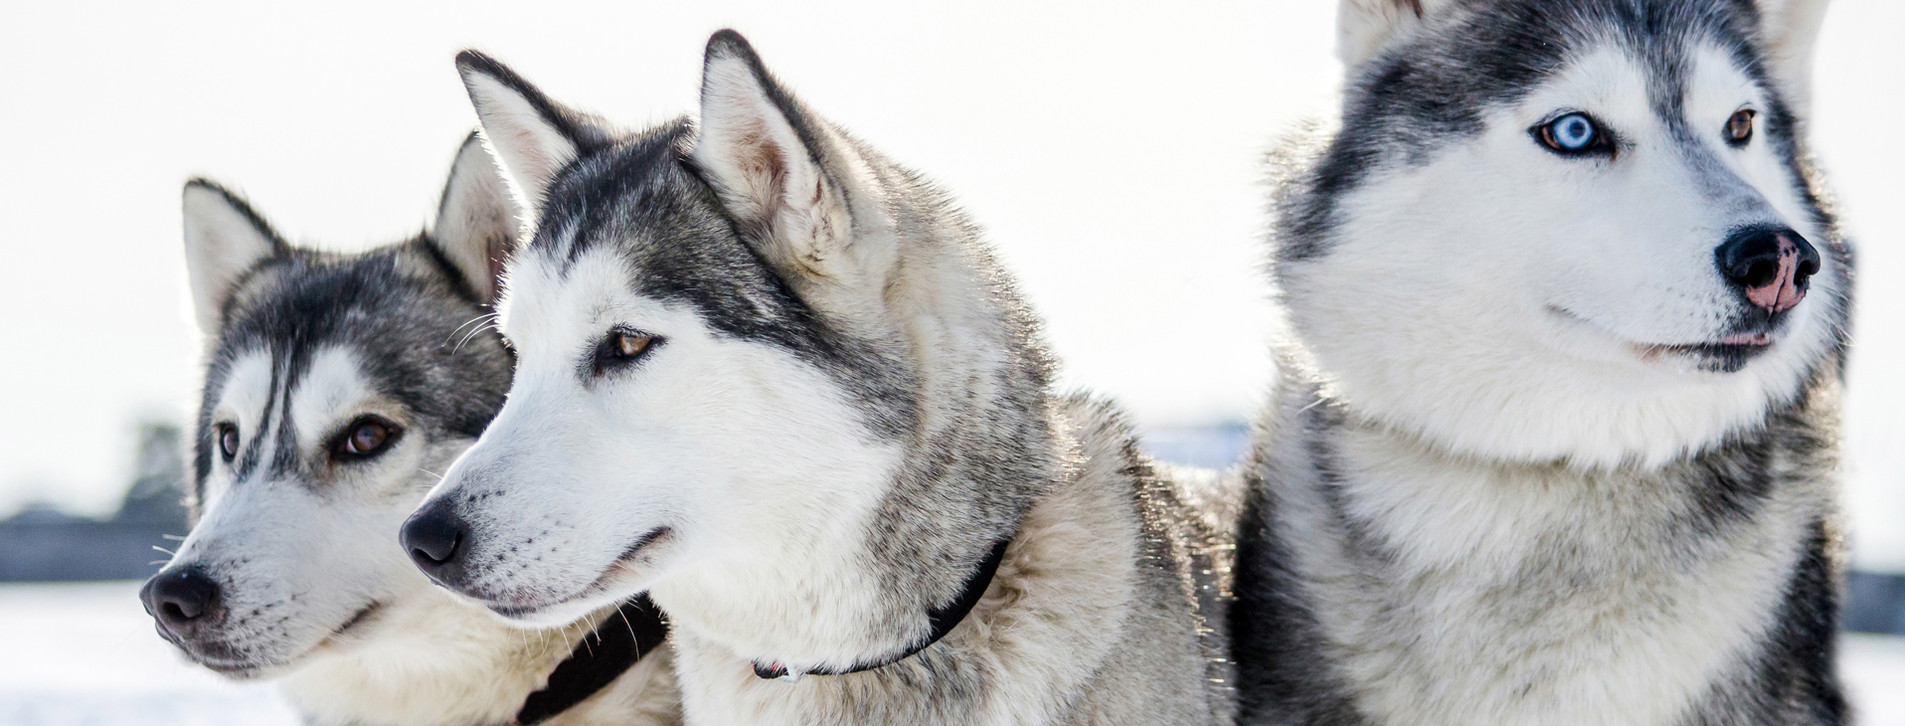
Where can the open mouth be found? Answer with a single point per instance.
(517, 611)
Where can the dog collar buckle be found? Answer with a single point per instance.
(776, 672)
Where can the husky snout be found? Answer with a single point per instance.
(434, 536)
(1771, 267)
(182, 601)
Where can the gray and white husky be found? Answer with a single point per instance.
(777, 381)
(335, 384)
(1556, 442)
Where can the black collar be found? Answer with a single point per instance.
(634, 630)
(943, 618)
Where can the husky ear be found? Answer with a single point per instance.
(476, 223)
(764, 154)
(532, 136)
(1789, 29)
(1365, 27)
(224, 239)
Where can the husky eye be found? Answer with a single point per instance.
(366, 437)
(1572, 134)
(227, 441)
(622, 347)
(1739, 128)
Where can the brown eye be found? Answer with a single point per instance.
(622, 347)
(1739, 128)
(629, 345)
(366, 437)
(227, 441)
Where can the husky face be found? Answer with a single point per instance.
(670, 393)
(1571, 230)
(719, 394)
(335, 386)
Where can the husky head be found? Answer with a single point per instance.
(755, 363)
(1575, 230)
(334, 386)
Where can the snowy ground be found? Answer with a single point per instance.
(85, 655)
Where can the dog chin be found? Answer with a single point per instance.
(550, 615)
(218, 658)
(624, 578)
(244, 670)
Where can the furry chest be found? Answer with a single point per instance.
(1455, 593)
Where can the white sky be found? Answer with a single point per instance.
(1110, 149)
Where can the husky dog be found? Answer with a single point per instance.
(335, 384)
(1557, 440)
(777, 381)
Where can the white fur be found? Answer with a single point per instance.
(770, 475)
(717, 439)
(1452, 636)
(1066, 587)
(1365, 27)
(299, 557)
(766, 174)
(1497, 370)
(478, 221)
(1790, 29)
(221, 245)
(527, 147)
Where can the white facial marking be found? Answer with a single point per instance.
(731, 445)
(1568, 283)
(298, 554)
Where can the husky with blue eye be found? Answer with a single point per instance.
(778, 381)
(337, 386)
(1556, 439)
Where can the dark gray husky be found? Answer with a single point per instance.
(1556, 440)
(335, 384)
(777, 380)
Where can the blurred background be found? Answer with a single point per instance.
(1112, 150)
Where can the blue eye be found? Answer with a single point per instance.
(1571, 134)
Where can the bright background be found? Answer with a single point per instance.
(1111, 149)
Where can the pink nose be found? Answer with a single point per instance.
(1772, 267)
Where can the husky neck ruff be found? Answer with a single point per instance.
(943, 618)
(632, 631)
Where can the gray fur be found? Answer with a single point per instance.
(293, 534)
(1110, 602)
(1340, 622)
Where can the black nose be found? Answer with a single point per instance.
(1771, 266)
(181, 600)
(434, 538)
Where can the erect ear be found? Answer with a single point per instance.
(224, 239)
(476, 223)
(1365, 27)
(1789, 29)
(767, 158)
(532, 136)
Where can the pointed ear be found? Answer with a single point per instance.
(766, 157)
(532, 136)
(1365, 27)
(1789, 29)
(476, 223)
(224, 239)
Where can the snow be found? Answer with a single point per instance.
(85, 655)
